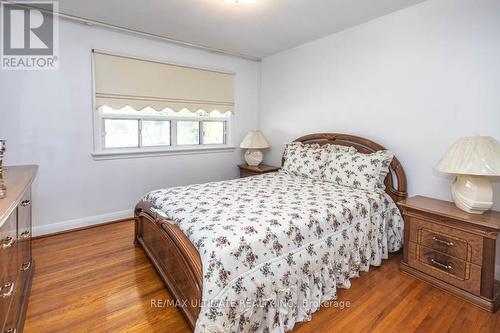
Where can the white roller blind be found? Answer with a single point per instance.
(121, 81)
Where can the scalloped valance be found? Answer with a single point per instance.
(121, 81)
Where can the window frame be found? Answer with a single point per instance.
(101, 152)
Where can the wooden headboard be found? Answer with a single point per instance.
(395, 182)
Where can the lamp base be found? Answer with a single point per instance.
(473, 194)
(253, 157)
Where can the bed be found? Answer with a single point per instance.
(262, 253)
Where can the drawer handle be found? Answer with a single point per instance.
(7, 242)
(26, 265)
(442, 241)
(25, 234)
(9, 292)
(25, 203)
(439, 264)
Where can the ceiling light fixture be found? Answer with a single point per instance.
(237, 2)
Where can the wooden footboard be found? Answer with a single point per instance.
(174, 257)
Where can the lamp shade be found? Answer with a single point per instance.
(473, 155)
(255, 140)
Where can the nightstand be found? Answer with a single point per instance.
(247, 170)
(452, 249)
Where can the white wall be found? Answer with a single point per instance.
(413, 81)
(46, 118)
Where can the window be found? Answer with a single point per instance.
(128, 130)
(145, 106)
(213, 132)
(121, 133)
(155, 133)
(188, 132)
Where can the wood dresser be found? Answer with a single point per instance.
(16, 262)
(452, 249)
(248, 170)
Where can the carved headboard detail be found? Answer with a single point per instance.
(395, 182)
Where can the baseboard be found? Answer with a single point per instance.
(83, 222)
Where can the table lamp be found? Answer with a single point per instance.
(253, 142)
(472, 159)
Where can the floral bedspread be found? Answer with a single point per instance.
(274, 246)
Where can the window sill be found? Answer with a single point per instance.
(113, 154)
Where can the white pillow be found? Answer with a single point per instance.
(358, 170)
(309, 160)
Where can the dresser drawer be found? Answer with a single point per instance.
(8, 263)
(451, 265)
(13, 317)
(445, 243)
(246, 173)
(448, 240)
(460, 273)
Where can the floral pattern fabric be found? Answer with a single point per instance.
(358, 170)
(274, 246)
(309, 160)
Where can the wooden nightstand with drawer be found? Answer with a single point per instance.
(248, 170)
(451, 249)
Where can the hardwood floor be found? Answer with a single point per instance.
(96, 280)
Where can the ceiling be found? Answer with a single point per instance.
(256, 29)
